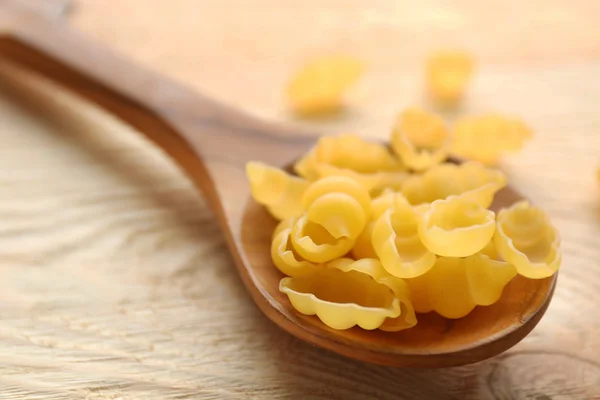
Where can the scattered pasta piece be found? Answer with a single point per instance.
(486, 138)
(420, 139)
(525, 238)
(397, 244)
(456, 227)
(350, 151)
(448, 73)
(370, 164)
(285, 258)
(313, 243)
(320, 85)
(469, 180)
(278, 191)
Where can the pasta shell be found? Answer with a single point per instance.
(487, 137)
(448, 73)
(455, 286)
(277, 190)
(375, 270)
(363, 248)
(340, 214)
(456, 227)
(319, 86)
(448, 288)
(338, 184)
(397, 244)
(370, 164)
(420, 139)
(349, 293)
(487, 275)
(285, 258)
(313, 243)
(342, 297)
(470, 180)
(525, 238)
(287, 223)
(349, 151)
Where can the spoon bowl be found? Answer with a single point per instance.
(212, 144)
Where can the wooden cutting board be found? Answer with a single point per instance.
(114, 280)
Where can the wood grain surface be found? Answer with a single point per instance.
(115, 282)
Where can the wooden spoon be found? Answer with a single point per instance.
(213, 143)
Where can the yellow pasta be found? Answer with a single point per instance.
(320, 85)
(349, 293)
(340, 214)
(487, 275)
(350, 151)
(419, 293)
(448, 73)
(525, 238)
(287, 223)
(363, 248)
(338, 184)
(369, 236)
(370, 164)
(397, 244)
(448, 288)
(486, 138)
(455, 286)
(339, 204)
(285, 258)
(278, 191)
(420, 139)
(470, 180)
(313, 243)
(382, 203)
(456, 227)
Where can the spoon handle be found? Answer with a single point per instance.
(203, 136)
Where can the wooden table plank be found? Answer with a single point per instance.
(114, 280)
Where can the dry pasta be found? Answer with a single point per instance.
(470, 180)
(278, 191)
(368, 236)
(526, 238)
(397, 244)
(448, 73)
(285, 258)
(348, 155)
(349, 293)
(313, 243)
(456, 227)
(487, 137)
(455, 286)
(420, 139)
(320, 85)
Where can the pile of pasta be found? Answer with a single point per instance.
(372, 236)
